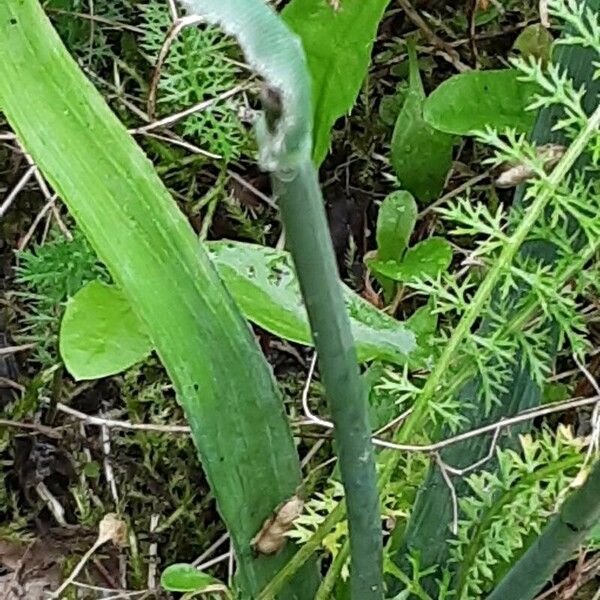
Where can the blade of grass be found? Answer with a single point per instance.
(221, 378)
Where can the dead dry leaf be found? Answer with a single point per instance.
(520, 173)
(271, 537)
(113, 529)
(33, 571)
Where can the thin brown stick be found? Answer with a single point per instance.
(251, 188)
(97, 18)
(115, 424)
(14, 349)
(496, 427)
(173, 10)
(595, 420)
(471, 13)
(6, 382)
(41, 214)
(478, 463)
(47, 431)
(183, 144)
(48, 195)
(199, 107)
(445, 49)
(16, 190)
(448, 481)
(451, 194)
(172, 34)
(210, 550)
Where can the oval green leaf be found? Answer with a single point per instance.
(264, 285)
(395, 223)
(535, 41)
(421, 156)
(99, 334)
(427, 258)
(472, 101)
(182, 577)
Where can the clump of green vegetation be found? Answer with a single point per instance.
(90, 43)
(200, 66)
(497, 300)
(505, 509)
(48, 274)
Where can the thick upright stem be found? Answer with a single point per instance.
(310, 244)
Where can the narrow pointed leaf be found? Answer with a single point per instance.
(153, 255)
(420, 154)
(338, 44)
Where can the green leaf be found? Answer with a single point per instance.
(594, 535)
(555, 392)
(182, 577)
(395, 223)
(338, 44)
(423, 323)
(535, 41)
(264, 285)
(428, 258)
(472, 101)
(100, 335)
(420, 155)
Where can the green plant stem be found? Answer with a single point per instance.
(325, 590)
(309, 241)
(556, 544)
(508, 496)
(304, 553)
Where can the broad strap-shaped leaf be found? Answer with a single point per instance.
(338, 43)
(420, 154)
(113, 193)
(472, 101)
(100, 335)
